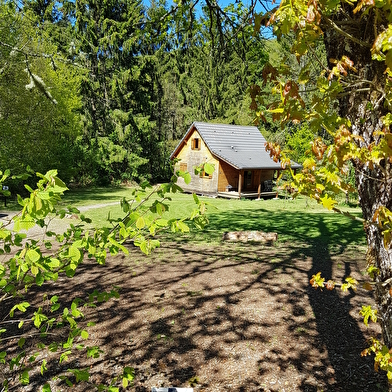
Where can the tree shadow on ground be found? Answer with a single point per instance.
(238, 317)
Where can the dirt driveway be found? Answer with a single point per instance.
(227, 317)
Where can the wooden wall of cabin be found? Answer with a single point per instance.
(228, 175)
(193, 154)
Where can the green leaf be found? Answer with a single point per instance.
(140, 223)
(43, 195)
(54, 263)
(182, 227)
(34, 270)
(64, 356)
(46, 388)
(187, 178)
(74, 254)
(3, 354)
(25, 223)
(195, 198)
(93, 352)
(161, 222)
(53, 347)
(128, 376)
(118, 245)
(84, 334)
(24, 377)
(209, 168)
(21, 342)
(43, 367)
(144, 247)
(74, 309)
(22, 307)
(39, 318)
(81, 375)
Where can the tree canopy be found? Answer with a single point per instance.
(108, 89)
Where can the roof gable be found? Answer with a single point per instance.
(240, 146)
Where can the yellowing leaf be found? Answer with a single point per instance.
(367, 286)
(277, 110)
(367, 312)
(327, 202)
(309, 163)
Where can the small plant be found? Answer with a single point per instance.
(194, 381)
(195, 293)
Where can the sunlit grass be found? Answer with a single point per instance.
(300, 220)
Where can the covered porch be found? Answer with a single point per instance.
(246, 194)
(246, 183)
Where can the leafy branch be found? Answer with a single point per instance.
(29, 264)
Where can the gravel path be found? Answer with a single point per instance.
(56, 225)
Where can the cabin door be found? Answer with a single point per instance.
(247, 180)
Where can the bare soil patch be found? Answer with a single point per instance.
(228, 317)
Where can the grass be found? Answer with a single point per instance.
(97, 195)
(294, 220)
(299, 220)
(78, 197)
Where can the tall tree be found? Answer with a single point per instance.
(108, 38)
(353, 104)
(38, 97)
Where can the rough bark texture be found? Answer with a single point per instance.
(364, 107)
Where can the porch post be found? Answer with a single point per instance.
(239, 184)
(259, 188)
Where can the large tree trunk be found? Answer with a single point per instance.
(364, 107)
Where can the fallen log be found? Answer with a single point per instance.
(250, 236)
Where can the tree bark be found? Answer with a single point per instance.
(364, 107)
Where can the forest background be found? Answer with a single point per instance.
(103, 91)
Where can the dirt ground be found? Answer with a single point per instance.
(225, 317)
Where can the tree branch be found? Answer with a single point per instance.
(347, 35)
(349, 215)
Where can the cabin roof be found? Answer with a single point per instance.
(240, 146)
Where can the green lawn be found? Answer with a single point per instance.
(301, 220)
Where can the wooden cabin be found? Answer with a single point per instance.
(243, 168)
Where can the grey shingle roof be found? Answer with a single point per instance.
(241, 146)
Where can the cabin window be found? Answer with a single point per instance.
(183, 167)
(196, 144)
(203, 174)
